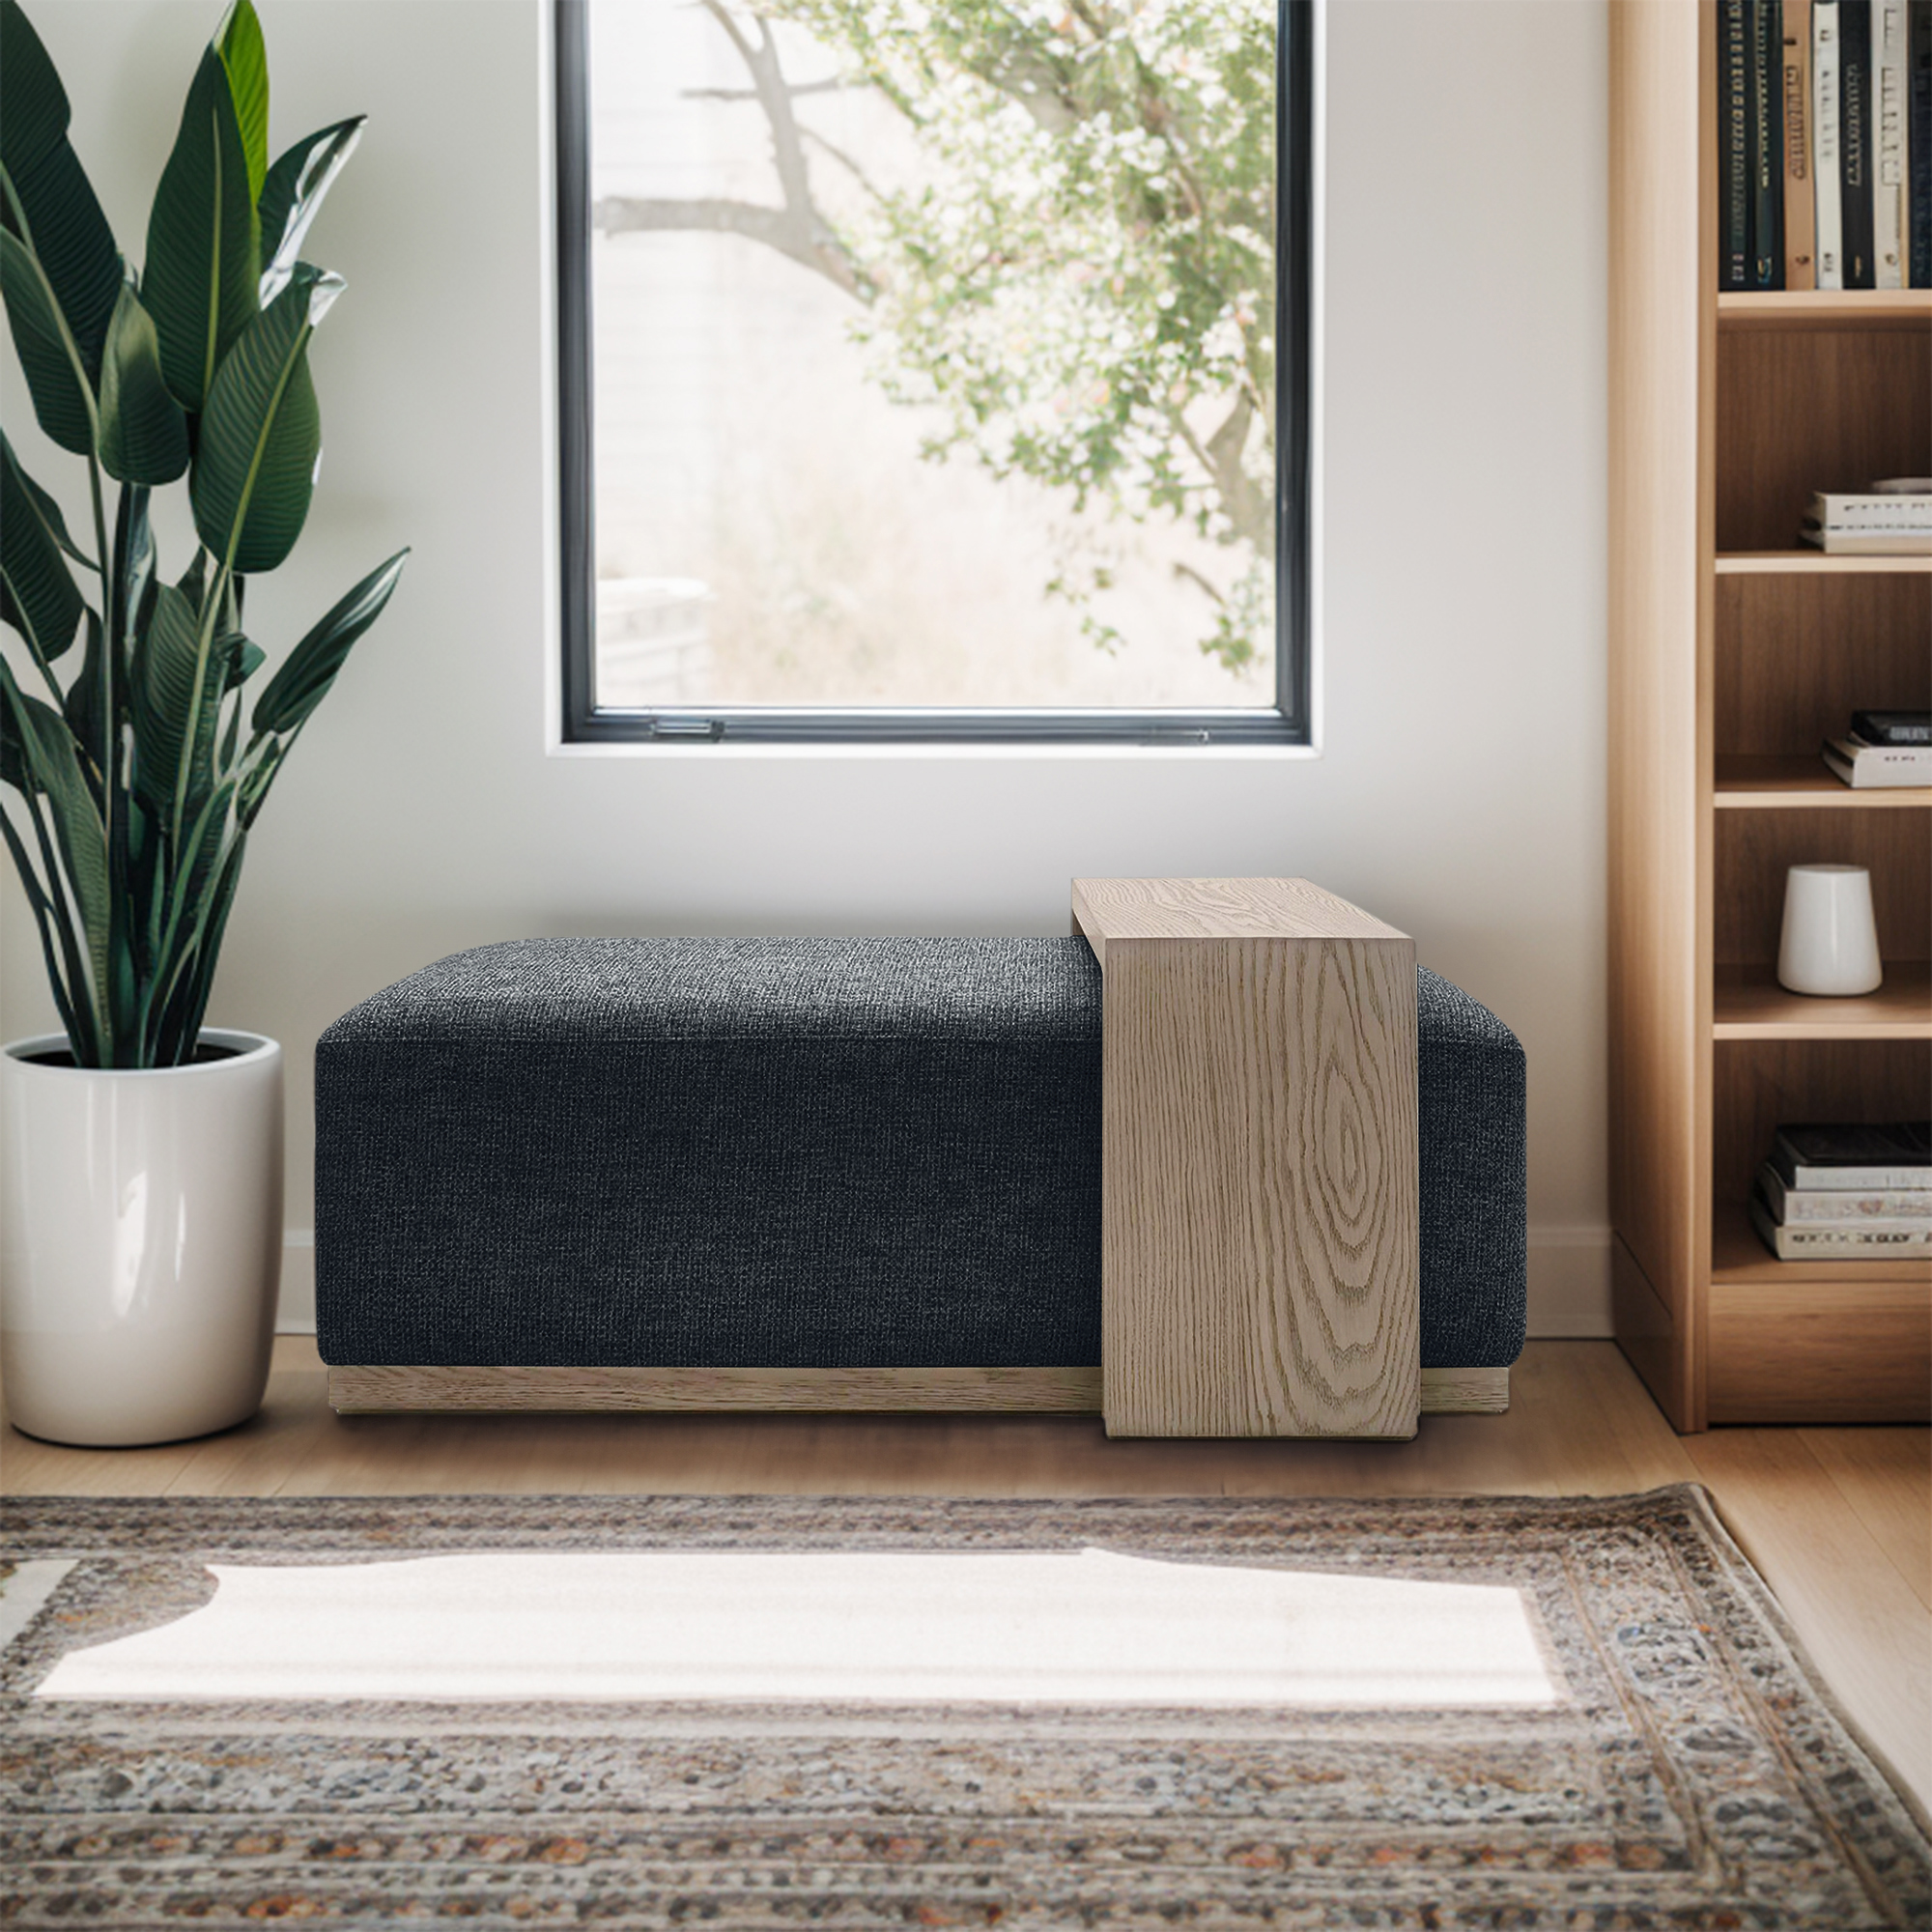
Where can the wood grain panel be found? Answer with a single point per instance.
(1796, 655)
(1077, 1391)
(1465, 1391)
(1073, 1391)
(1857, 1352)
(1220, 909)
(1663, 344)
(1811, 409)
(1260, 1239)
(1754, 850)
(1649, 1332)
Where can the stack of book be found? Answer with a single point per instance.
(1825, 144)
(1883, 748)
(1847, 1193)
(1889, 519)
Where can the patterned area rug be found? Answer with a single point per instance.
(1682, 1768)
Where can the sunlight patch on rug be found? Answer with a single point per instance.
(1087, 1627)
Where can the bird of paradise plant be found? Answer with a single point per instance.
(135, 784)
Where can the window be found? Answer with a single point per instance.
(934, 369)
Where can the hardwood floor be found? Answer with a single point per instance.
(1838, 1520)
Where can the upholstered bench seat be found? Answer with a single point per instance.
(803, 1154)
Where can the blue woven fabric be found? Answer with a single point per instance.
(806, 1152)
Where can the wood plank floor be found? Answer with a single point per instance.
(1838, 1520)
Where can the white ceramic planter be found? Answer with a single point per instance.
(140, 1242)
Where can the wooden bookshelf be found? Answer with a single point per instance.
(1750, 1005)
(1815, 563)
(1765, 781)
(1734, 652)
(1831, 309)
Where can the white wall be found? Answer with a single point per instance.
(1461, 792)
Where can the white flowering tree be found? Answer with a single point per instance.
(1081, 278)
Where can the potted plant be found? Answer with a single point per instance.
(140, 1203)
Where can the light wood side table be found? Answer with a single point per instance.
(1260, 1248)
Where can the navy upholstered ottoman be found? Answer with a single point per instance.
(864, 1167)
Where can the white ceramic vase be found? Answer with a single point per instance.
(1828, 943)
(140, 1242)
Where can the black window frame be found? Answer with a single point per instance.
(1287, 724)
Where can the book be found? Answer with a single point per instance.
(1854, 140)
(1887, 510)
(1827, 186)
(1873, 767)
(1734, 197)
(1765, 143)
(1919, 142)
(1891, 67)
(1789, 1205)
(1800, 222)
(1854, 1154)
(1868, 543)
(1861, 1242)
(1893, 727)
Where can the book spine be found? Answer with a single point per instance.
(1845, 509)
(1854, 140)
(1823, 1209)
(1853, 1179)
(1734, 198)
(1885, 728)
(1764, 146)
(1892, 69)
(1836, 1208)
(1827, 193)
(1851, 1244)
(1919, 144)
(1795, 84)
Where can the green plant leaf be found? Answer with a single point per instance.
(50, 203)
(304, 679)
(33, 103)
(38, 594)
(54, 211)
(248, 660)
(49, 513)
(294, 192)
(45, 748)
(81, 707)
(203, 245)
(161, 680)
(245, 59)
(261, 433)
(135, 561)
(143, 428)
(49, 358)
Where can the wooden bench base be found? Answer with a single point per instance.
(379, 1390)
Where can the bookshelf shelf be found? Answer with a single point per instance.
(1734, 651)
(1749, 782)
(1749, 1004)
(1827, 308)
(1815, 563)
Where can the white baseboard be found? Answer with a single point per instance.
(295, 1313)
(1569, 1282)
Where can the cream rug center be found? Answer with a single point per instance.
(1084, 1627)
